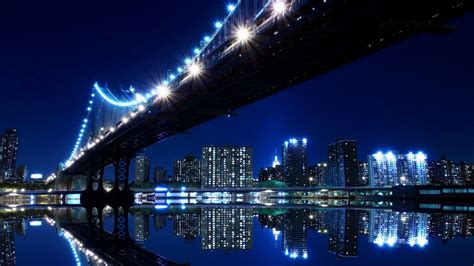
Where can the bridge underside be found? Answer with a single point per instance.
(313, 40)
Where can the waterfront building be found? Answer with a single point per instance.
(391, 169)
(21, 173)
(447, 172)
(187, 170)
(227, 229)
(342, 163)
(344, 233)
(142, 169)
(160, 174)
(295, 162)
(318, 174)
(272, 173)
(228, 167)
(363, 174)
(8, 154)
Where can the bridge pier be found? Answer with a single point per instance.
(122, 168)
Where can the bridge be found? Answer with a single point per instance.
(261, 47)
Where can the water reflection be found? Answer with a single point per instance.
(104, 237)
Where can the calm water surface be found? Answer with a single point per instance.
(236, 235)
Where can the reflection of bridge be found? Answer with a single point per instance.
(84, 230)
(262, 47)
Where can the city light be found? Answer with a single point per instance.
(163, 91)
(279, 7)
(231, 7)
(243, 34)
(195, 69)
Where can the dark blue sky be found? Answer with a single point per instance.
(415, 95)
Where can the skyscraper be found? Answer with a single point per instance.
(142, 169)
(363, 174)
(391, 169)
(229, 166)
(318, 174)
(21, 172)
(295, 162)
(187, 170)
(160, 174)
(342, 163)
(8, 153)
(447, 172)
(295, 233)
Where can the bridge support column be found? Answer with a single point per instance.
(121, 224)
(122, 167)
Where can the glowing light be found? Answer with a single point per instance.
(195, 69)
(196, 50)
(207, 38)
(163, 91)
(113, 101)
(390, 156)
(231, 7)
(279, 7)
(378, 156)
(243, 34)
(141, 108)
(161, 189)
(125, 120)
(420, 156)
(217, 24)
(188, 61)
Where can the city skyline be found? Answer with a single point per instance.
(366, 92)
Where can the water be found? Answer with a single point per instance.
(236, 235)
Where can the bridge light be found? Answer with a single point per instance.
(195, 69)
(231, 7)
(279, 7)
(188, 61)
(243, 34)
(141, 108)
(218, 24)
(196, 50)
(163, 91)
(207, 38)
(125, 120)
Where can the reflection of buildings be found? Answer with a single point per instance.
(142, 226)
(229, 167)
(295, 232)
(159, 221)
(229, 229)
(391, 228)
(7, 243)
(448, 226)
(187, 225)
(343, 233)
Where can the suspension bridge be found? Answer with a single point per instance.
(259, 48)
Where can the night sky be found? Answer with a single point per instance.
(414, 95)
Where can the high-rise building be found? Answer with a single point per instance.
(390, 169)
(160, 174)
(342, 163)
(318, 174)
(272, 173)
(228, 229)
(187, 170)
(8, 153)
(363, 174)
(447, 172)
(142, 169)
(295, 162)
(21, 172)
(229, 166)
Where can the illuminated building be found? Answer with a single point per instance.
(142, 169)
(295, 162)
(160, 174)
(363, 174)
(8, 153)
(228, 167)
(227, 229)
(318, 174)
(390, 169)
(272, 173)
(447, 172)
(21, 172)
(187, 170)
(342, 163)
